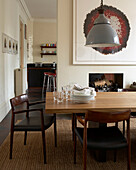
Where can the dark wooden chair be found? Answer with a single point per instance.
(73, 121)
(132, 114)
(104, 138)
(34, 121)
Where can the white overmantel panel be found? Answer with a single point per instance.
(87, 55)
(67, 72)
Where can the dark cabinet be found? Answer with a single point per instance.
(35, 75)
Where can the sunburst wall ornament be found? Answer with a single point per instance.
(118, 21)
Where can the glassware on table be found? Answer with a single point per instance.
(55, 94)
(65, 92)
(60, 97)
(69, 87)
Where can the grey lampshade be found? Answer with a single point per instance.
(102, 34)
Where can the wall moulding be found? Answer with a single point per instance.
(83, 55)
(9, 45)
(25, 9)
(44, 20)
(4, 43)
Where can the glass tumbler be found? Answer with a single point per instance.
(60, 97)
(69, 87)
(65, 92)
(55, 95)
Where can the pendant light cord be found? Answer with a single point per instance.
(101, 3)
(101, 10)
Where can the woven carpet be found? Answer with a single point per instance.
(30, 157)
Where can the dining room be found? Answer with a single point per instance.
(69, 79)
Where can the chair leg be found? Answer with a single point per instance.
(123, 127)
(50, 83)
(47, 89)
(43, 84)
(25, 137)
(54, 84)
(44, 145)
(116, 124)
(72, 126)
(11, 143)
(129, 157)
(85, 145)
(74, 148)
(74, 135)
(55, 132)
(84, 157)
(115, 155)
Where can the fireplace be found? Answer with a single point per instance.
(106, 82)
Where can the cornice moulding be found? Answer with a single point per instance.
(44, 20)
(23, 5)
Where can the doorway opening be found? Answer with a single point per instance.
(21, 44)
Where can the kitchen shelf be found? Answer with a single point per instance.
(47, 54)
(48, 47)
(42, 47)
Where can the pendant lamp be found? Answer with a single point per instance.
(102, 34)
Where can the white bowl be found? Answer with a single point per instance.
(82, 98)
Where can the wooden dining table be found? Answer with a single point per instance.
(103, 100)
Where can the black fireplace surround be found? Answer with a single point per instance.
(106, 82)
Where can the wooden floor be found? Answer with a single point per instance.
(4, 128)
(33, 95)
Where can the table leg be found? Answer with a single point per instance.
(73, 124)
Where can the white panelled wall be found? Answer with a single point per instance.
(10, 13)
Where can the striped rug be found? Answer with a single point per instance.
(30, 157)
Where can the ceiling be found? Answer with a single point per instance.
(42, 8)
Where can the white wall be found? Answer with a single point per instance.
(30, 41)
(44, 31)
(67, 72)
(10, 12)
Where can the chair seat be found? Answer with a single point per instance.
(34, 123)
(103, 138)
(80, 114)
(133, 114)
(49, 73)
